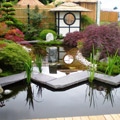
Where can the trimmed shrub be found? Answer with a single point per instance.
(45, 32)
(72, 38)
(7, 16)
(12, 56)
(105, 38)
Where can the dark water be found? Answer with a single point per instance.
(36, 101)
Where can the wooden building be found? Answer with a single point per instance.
(88, 4)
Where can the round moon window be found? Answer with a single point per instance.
(68, 59)
(69, 18)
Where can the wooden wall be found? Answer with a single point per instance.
(92, 7)
(108, 16)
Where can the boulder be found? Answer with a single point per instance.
(6, 92)
(49, 37)
(1, 90)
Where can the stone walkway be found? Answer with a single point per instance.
(59, 80)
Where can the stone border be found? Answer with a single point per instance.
(62, 82)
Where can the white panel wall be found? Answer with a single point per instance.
(62, 23)
(74, 29)
(63, 31)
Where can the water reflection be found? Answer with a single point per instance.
(30, 96)
(106, 91)
(15, 91)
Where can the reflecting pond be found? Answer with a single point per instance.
(38, 101)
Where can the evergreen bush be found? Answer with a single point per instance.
(7, 16)
(12, 57)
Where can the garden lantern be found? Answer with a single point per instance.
(68, 17)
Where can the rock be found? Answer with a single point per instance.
(1, 90)
(27, 49)
(53, 54)
(97, 56)
(83, 61)
(49, 37)
(6, 92)
(105, 60)
(0, 70)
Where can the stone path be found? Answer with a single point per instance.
(59, 81)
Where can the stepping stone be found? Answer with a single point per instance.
(12, 79)
(41, 78)
(68, 80)
(106, 79)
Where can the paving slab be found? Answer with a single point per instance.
(41, 78)
(106, 79)
(12, 79)
(69, 80)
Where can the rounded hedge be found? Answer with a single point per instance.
(12, 56)
(45, 32)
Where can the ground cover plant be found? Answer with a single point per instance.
(52, 42)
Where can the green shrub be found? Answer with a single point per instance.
(45, 32)
(12, 56)
(85, 21)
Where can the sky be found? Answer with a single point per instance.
(110, 4)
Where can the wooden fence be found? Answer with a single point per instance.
(47, 22)
(108, 16)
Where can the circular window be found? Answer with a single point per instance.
(68, 59)
(69, 18)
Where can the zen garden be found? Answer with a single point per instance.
(56, 61)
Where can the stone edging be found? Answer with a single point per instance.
(62, 82)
